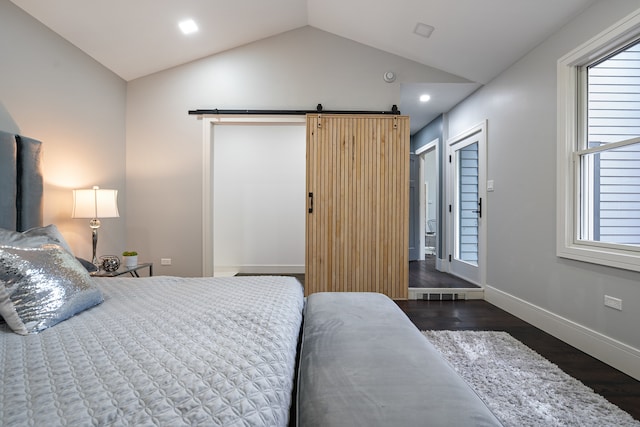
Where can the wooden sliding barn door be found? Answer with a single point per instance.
(358, 204)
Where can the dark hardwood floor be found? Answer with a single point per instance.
(620, 389)
(423, 274)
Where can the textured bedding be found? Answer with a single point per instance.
(160, 351)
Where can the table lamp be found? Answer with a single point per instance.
(95, 203)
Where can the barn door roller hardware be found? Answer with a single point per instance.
(319, 109)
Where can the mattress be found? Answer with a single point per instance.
(160, 351)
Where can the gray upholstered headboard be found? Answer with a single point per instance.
(20, 182)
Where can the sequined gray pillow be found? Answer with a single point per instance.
(38, 236)
(42, 286)
(33, 237)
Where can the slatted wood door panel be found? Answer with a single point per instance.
(357, 232)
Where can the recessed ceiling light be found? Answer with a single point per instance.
(423, 30)
(425, 98)
(188, 26)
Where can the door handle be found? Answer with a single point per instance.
(479, 211)
(310, 202)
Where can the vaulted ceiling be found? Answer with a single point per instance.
(474, 39)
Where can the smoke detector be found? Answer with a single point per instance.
(389, 76)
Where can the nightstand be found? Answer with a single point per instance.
(124, 270)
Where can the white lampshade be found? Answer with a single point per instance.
(95, 203)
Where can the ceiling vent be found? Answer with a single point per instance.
(423, 30)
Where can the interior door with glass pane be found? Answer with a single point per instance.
(467, 215)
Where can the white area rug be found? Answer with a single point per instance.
(521, 387)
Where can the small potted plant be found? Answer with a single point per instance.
(130, 258)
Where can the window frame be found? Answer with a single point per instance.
(571, 104)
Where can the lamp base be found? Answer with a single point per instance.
(94, 224)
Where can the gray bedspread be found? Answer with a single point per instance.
(160, 351)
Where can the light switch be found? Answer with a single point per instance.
(490, 185)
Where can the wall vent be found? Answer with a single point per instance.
(443, 296)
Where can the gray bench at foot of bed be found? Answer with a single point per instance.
(363, 363)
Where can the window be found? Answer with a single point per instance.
(609, 156)
(599, 149)
(468, 203)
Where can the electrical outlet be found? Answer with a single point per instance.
(165, 261)
(613, 302)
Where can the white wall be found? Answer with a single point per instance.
(523, 272)
(259, 198)
(294, 70)
(53, 92)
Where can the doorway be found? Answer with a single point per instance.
(255, 258)
(465, 197)
(428, 196)
(258, 199)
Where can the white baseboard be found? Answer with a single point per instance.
(225, 272)
(269, 269)
(612, 352)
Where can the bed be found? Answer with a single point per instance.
(78, 350)
(160, 351)
(122, 351)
